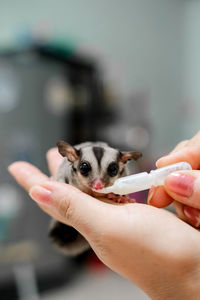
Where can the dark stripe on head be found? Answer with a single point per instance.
(118, 156)
(80, 154)
(98, 152)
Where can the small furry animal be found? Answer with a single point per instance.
(88, 166)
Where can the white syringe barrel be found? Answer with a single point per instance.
(159, 175)
(143, 181)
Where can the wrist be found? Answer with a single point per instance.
(184, 285)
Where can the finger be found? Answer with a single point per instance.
(161, 161)
(179, 210)
(184, 187)
(186, 151)
(56, 215)
(188, 154)
(192, 215)
(188, 214)
(26, 174)
(195, 140)
(73, 206)
(158, 197)
(54, 160)
(179, 146)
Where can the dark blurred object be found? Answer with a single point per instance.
(47, 93)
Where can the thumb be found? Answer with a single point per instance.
(71, 206)
(184, 187)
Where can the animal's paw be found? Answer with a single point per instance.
(120, 198)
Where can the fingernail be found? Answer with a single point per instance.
(151, 193)
(40, 195)
(193, 215)
(180, 184)
(160, 159)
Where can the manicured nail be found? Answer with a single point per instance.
(151, 193)
(180, 184)
(40, 195)
(193, 215)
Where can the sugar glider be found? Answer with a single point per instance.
(88, 166)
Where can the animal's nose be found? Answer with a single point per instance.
(97, 184)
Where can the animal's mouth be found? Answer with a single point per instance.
(97, 187)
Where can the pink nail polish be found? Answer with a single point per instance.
(41, 195)
(180, 184)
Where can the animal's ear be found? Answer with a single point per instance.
(125, 156)
(68, 151)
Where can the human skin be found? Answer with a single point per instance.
(147, 245)
(187, 207)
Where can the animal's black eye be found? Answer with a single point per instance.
(112, 169)
(85, 168)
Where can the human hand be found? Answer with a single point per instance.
(183, 187)
(149, 246)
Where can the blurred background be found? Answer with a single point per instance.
(125, 72)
